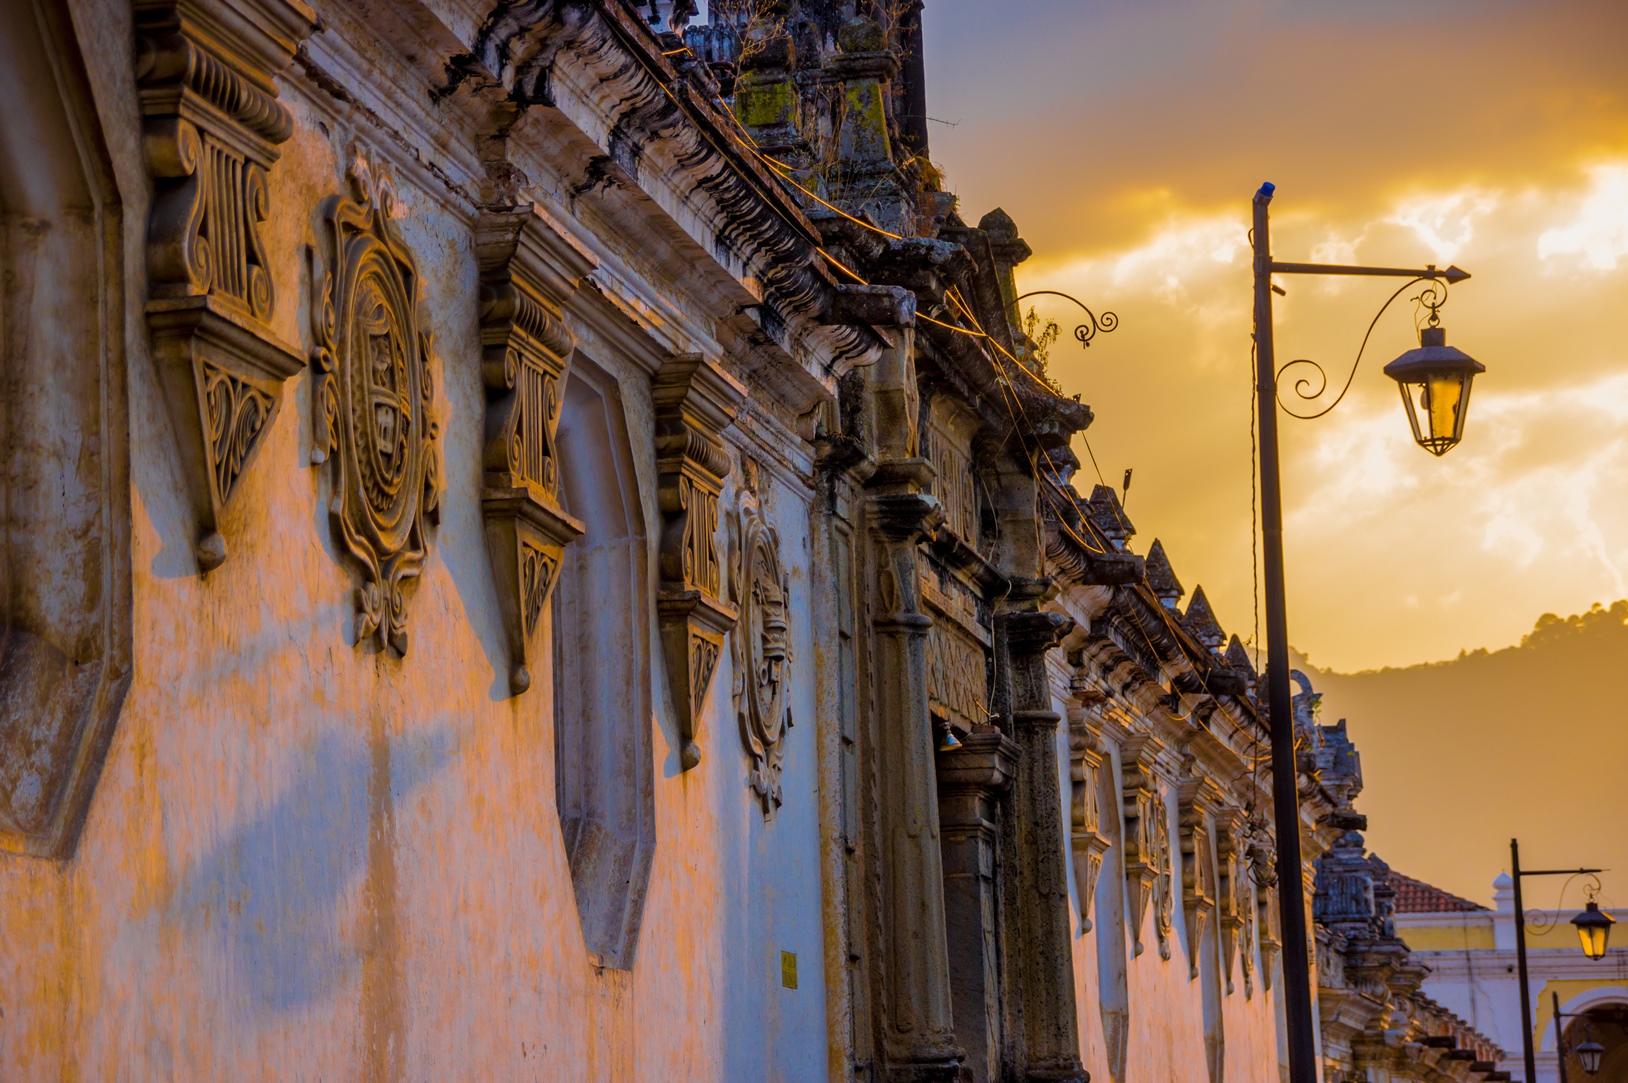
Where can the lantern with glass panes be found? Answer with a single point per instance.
(1435, 382)
(1594, 930)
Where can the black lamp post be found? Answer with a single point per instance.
(1439, 378)
(1593, 927)
(1589, 1053)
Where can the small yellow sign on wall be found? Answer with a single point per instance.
(788, 969)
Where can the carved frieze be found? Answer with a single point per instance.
(527, 271)
(372, 417)
(1086, 837)
(1143, 805)
(762, 644)
(210, 132)
(696, 400)
(1198, 798)
(956, 676)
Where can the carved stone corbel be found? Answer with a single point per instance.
(526, 272)
(1142, 802)
(1263, 863)
(211, 128)
(1233, 902)
(1086, 839)
(695, 400)
(1197, 799)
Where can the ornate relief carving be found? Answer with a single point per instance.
(762, 644)
(371, 401)
(527, 270)
(1086, 837)
(1263, 870)
(1144, 812)
(956, 677)
(211, 131)
(1164, 899)
(1198, 798)
(696, 400)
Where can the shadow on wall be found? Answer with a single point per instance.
(303, 896)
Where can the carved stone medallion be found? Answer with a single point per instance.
(212, 125)
(762, 643)
(371, 402)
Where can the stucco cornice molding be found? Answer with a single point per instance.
(210, 132)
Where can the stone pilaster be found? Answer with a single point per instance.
(1046, 960)
(1087, 839)
(970, 781)
(1197, 798)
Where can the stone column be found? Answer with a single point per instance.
(1046, 960)
(918, 1024)
(970, 780)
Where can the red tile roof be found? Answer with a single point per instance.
(1417, 897)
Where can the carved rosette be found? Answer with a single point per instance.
(695, 400)
(210, 132)
(527, 271)
(1197, 800)
(762, 642)
(1086, 839)
(1143, 807)
(371, 401)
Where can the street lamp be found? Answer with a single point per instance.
(1593, 928)
(1437, 377)
(1442, 380)
(1588, 1053)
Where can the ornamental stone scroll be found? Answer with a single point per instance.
(211, 128)
(372, 418)
(527, 270)
(762, 644)
(695, 400)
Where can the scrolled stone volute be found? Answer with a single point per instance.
(212, 124)
(527, 271)
(695, 400)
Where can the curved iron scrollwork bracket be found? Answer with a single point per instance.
(1432, 297)
(1084, 332)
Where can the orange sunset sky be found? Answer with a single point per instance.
(1126, 139)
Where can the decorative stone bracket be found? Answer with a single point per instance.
(211, 128)
(1086, 839)
(695, 400)
(1142, 802)
(527, 270)
(1234, 910)
(1196, 800)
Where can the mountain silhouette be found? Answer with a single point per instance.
(1528, 742)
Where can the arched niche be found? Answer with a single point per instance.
(65, 491)
(601, 631)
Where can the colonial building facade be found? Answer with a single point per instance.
(537, 548)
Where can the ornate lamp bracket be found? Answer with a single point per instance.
(527, 271)
(695, 400)
(210, 131)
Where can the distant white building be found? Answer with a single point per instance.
(1471, 954)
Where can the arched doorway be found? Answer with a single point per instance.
(1606, 1024)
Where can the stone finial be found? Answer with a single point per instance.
(1162, 578)
(1008, 247)
(1110, 517)
(1200, 621)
